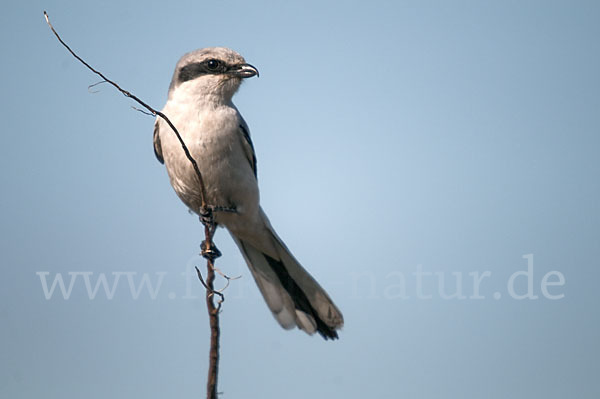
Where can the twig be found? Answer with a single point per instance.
(209, 250)
(142, 111)
(215, 333)
(94, 85)
(205, 208)
(212, 291)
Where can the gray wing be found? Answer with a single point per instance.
(157, 148)
(248, 146)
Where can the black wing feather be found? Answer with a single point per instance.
(157, 147)
(252, 155)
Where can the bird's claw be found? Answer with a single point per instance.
(207, 213)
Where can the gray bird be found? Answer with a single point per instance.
(201, 108)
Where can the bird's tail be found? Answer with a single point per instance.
(292, 294)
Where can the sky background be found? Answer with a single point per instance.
(457, 138)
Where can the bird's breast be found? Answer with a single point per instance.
(213, 139)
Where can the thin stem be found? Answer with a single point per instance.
(215, 332)
(143, 104)
(206, 212)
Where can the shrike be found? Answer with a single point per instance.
(201, 108)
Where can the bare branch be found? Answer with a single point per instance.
(212, 291)
(205, 208)
(209, 250)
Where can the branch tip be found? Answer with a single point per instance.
(209, 225)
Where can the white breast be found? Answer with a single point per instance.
(213, 136)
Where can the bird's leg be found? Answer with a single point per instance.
(209, 249)
(207, 213)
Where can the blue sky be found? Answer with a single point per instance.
(406, 151)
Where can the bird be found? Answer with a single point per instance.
(200, 106)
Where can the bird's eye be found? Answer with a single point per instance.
(213, 64)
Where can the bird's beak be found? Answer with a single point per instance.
(245, 71)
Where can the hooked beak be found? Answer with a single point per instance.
(245, 71)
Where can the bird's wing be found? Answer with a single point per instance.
(247, 144)
(157, 147)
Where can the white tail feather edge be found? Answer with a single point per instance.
(277, 297)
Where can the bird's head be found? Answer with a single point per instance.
(211, 74)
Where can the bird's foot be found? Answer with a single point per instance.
(207, 213)
(206, 216)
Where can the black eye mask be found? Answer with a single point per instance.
(208, 67)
